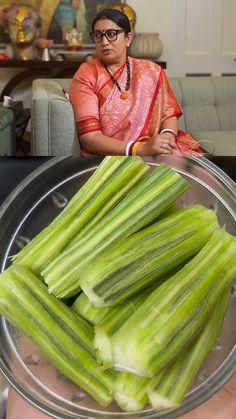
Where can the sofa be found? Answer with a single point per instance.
(208, 103)
(7, 132)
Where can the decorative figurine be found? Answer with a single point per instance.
(22, 24)
(73, 39)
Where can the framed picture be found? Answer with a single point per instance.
(3, 36)
(89, 10)
(63, 15)
(60, 16)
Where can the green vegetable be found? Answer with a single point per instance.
(168, 388)
(111, 322)
(130, 392)
(63, 337)
(83, 307)
(146, 256)
(151, 196)
(174, 313)
(114, 177)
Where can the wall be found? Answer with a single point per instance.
(154, 16)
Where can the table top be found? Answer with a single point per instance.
(14, 169)
(39, 64)
(56, 64)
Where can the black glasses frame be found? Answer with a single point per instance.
(106, 34)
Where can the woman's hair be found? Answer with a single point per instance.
(116, 16)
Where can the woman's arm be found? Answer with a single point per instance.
(97, 143)
(170, 123)
(162, 143)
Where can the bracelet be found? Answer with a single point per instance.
(145, 138)
(127, 148)
(135, 148)
(168, 130)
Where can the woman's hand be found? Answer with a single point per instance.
(158, 144)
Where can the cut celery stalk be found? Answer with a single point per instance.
(113, 319)
(173, 314)
(173, 209)
(114, 177)
(63, 337)
(168, 388)
(143, 258)
(130, 392)
(83, 307)
(150, 197)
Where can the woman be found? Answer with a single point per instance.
(124, 105)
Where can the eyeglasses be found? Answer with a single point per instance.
(111, 35)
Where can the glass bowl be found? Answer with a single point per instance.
(30, 207)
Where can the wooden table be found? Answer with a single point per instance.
(32, 69)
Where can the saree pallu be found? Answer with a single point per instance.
(98, 106)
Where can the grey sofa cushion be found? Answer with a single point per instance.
(52, 120)
(7, 135)
(199, 104)
(208, 103)
(225, 96)
(224, 142)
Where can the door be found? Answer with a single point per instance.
(203, 37)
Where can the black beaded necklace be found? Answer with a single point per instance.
(123, 93)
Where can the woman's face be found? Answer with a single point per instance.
(112, 52)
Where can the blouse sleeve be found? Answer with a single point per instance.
(84, 99)
(170, 105)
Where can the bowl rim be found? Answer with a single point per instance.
(213, 383)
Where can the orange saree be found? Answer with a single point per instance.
(98, 107)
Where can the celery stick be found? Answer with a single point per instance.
(83, 307)
(168, 388)
(174, 313)
(173, 209)
(62, 336)
(108, 184)
(143, 258)
(130, 392)
(113, 319)
(151, 196)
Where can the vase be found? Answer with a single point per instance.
(146, 45)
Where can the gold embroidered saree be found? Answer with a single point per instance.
(98, 107)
